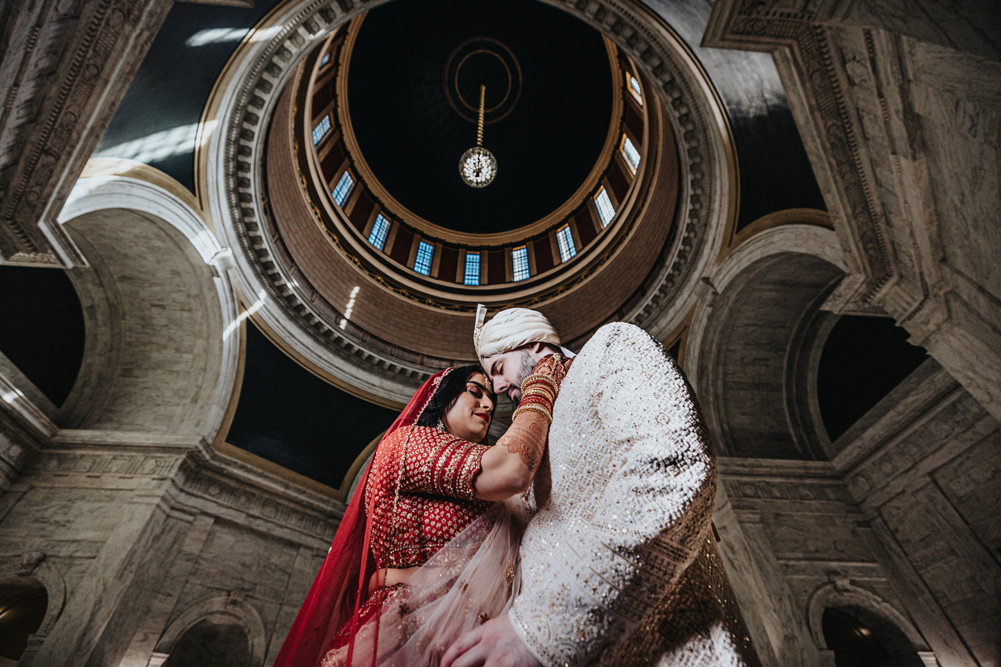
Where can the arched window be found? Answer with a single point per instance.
(862, 639)
(217, 641)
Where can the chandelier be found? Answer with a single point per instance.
(478, 166)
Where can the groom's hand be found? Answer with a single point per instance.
(493, 644)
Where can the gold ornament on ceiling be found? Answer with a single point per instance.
(478, 166)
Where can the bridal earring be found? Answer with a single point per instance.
(441, 426)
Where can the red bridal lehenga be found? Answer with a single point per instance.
(421, 513)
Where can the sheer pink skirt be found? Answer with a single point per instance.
(471, 580)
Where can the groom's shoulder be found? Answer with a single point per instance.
(623, 344)
(621, 337)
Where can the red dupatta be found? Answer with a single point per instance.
(338, 589)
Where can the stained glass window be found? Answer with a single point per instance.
(564, 239)
(519, 262)
(630, 153)
(343, 188)
(321, 130)
(425, 253)
(472, 276)
(325, 59)
(635, 89)
(379, 232)
(604, 205)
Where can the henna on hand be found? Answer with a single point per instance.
(527, 437)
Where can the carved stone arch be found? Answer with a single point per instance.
(230, 161)
(753, 341)
(34, 566)
(900, 634)
(182, 305)
(232, 610)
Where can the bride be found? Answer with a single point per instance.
(425, 550)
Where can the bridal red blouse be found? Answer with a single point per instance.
(435, 501)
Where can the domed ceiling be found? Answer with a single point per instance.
(356, 235)
(413, 92)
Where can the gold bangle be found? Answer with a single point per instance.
(539, 391)
(533, 408)
(539, 382)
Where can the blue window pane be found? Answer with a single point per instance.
(634, 88)
(472, 276)
(379, 232)
(343, 188)
(629, 151)
(325, 59)
(519, 259)
(564, 239)
(321, 130)
(604, 205)
(425, 253)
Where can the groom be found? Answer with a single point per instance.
(619, 565)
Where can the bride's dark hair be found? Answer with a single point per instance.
(448, 393)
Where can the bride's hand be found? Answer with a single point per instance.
(493, 644)
(554, 366)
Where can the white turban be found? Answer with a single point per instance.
(511, 329)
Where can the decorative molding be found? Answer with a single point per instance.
(15, 404)
(771, 26)
(67, 67)
(195, 475)
(863, 97)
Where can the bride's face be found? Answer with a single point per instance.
(469, 417)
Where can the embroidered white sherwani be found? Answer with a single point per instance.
(619, 565)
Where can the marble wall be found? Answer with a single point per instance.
(903, 524)
(139, 539)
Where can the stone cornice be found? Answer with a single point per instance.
(201, 478)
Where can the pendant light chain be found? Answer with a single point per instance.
(479, 128)
(478, 166)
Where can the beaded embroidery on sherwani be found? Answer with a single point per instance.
(435, 501)
(633, 484)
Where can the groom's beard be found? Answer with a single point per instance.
(524, 370)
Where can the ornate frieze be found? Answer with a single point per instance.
(64, 71)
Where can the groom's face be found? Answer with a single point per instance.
(507, 371)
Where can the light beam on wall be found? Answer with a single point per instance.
(351, 306)
(159, 145)
(227, 35)
(254, 307)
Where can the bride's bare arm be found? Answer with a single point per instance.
(509, 466)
